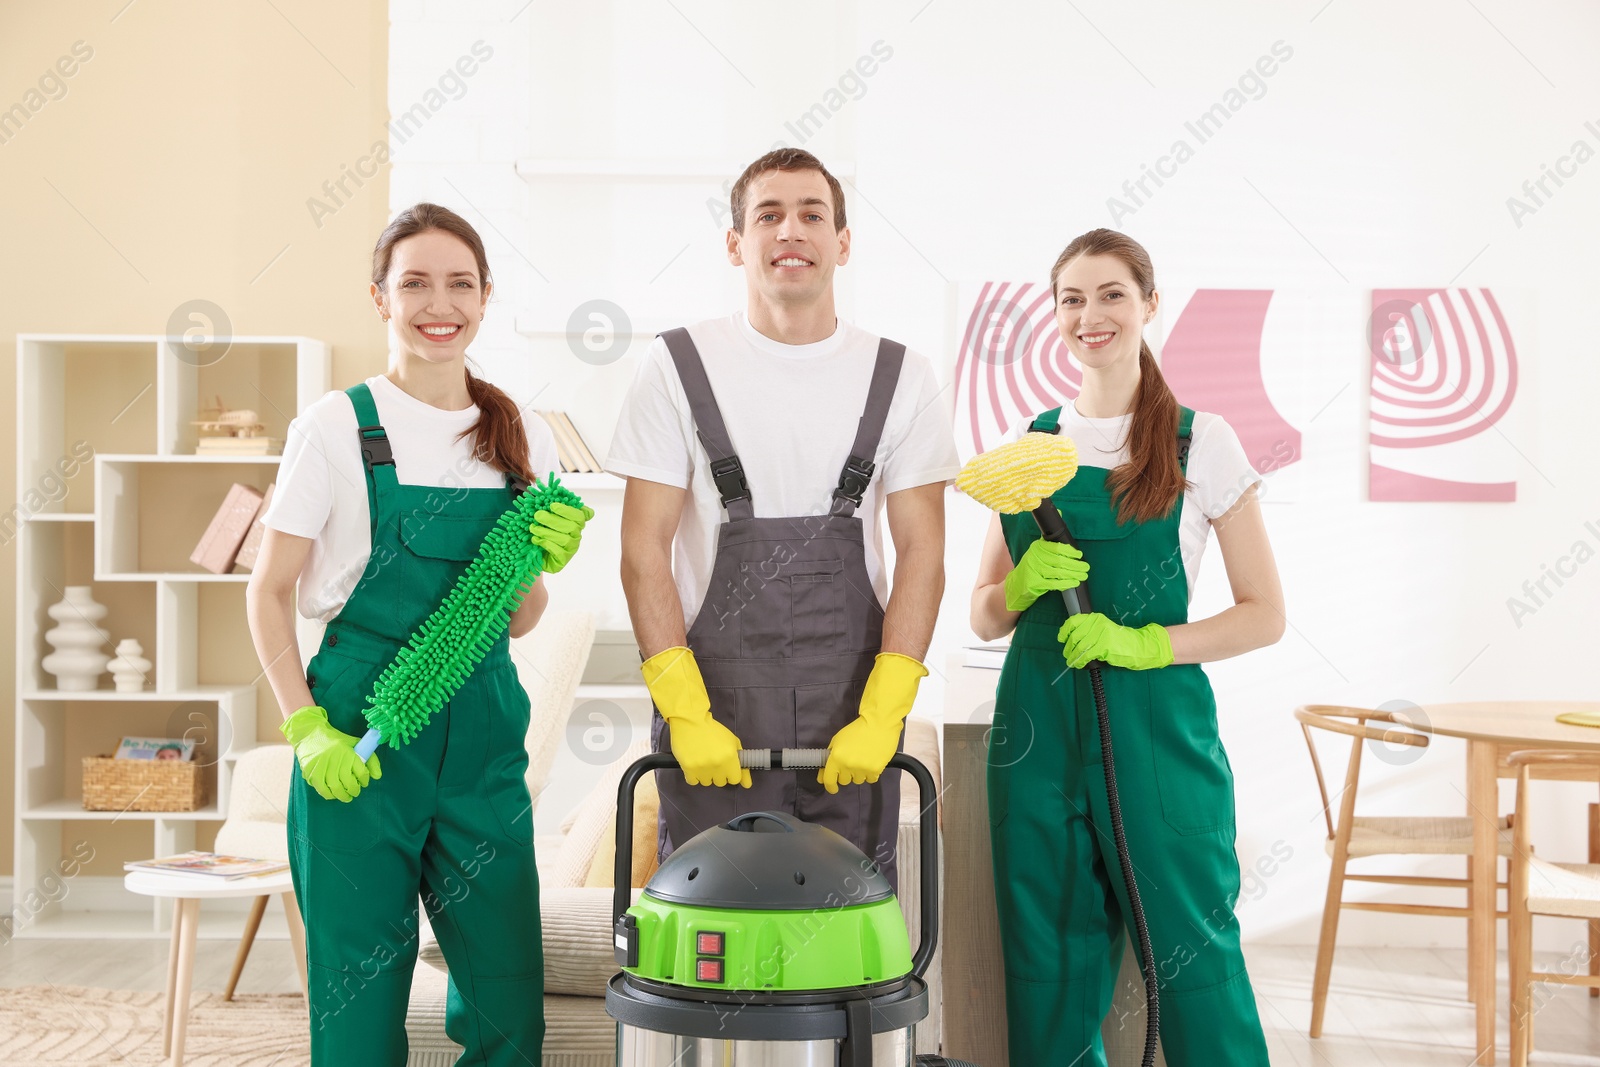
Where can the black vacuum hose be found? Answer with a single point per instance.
(1053, 528)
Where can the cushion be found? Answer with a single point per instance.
(595, 813)
(550, 660)
(646, 808)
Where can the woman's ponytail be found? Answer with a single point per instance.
(498, 437)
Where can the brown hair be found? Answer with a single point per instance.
(1150, 483)
(498, 436)
(784, 159)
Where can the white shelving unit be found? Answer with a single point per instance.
(124, 523)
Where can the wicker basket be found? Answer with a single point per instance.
(141, 785)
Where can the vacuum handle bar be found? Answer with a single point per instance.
(1052, 527)
(787, 759)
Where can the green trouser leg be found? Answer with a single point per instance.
(1062, 906)
(449, 821)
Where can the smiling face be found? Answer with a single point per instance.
(1100, 311)
(432, 297)
(789, 247)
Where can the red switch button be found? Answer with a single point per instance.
(708, 970)
(708, 944)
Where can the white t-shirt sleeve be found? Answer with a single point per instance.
(922, 445)
(303, 498)
(1218, 467)
(652, 440)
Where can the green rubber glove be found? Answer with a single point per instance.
(558, 531)
(1092, 636)
(1045, 566)
(328, 760)
(863, 748)
(707, 751)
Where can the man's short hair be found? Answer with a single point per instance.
(784, 159)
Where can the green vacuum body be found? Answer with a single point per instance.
(767, 902)
(767, 941)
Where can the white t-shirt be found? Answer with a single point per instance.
(322, 484)
(1219, 471)
(792, 413)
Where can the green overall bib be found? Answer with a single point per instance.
(1058, 885)
(450, 820)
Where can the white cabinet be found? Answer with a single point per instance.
(110, 495)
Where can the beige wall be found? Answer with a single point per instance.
(173, 164)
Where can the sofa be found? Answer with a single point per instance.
(575, 909)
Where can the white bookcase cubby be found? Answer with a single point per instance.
(112, 496)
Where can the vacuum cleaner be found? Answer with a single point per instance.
(1021, 476)
(767, 941)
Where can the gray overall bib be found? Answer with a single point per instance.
(786, 635)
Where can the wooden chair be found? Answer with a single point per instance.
(1540, 887)
(1353, 836)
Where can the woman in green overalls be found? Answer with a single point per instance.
(446, 818)
(1153, 479)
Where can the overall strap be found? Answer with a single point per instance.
(858, 468)
(1049, 422)
(726, 471)
(1185, 433)
(377, 457)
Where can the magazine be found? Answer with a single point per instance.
(211, 864)
(151, 748)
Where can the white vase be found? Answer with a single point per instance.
(77, 661)
(130, 669)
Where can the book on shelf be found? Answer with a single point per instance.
(591, 464)
(239, 446)
(219, 545)
(574, 454)
(251, 547)
(992, 657)
(209, 865)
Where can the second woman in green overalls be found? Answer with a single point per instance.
(385, 494)
(1154, 479)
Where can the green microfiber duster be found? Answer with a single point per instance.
(449, 644)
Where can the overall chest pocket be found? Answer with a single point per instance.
(437, 548)
(434, 535)
(1104, 542)
(795, 610)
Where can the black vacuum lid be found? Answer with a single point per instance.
(769, 861)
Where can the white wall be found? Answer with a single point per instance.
(1381, 153)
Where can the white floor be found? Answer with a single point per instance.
(1388, 1007)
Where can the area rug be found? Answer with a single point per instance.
(53, 1024)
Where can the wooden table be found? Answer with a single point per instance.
(187, 891)
(1493, 730)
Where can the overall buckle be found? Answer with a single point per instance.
(728, 474)
(376, 451)
(854, 478)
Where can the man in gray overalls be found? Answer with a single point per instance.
(760, 450)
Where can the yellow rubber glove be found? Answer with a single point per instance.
(858, 753)
(328, 760)
(707, 751)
